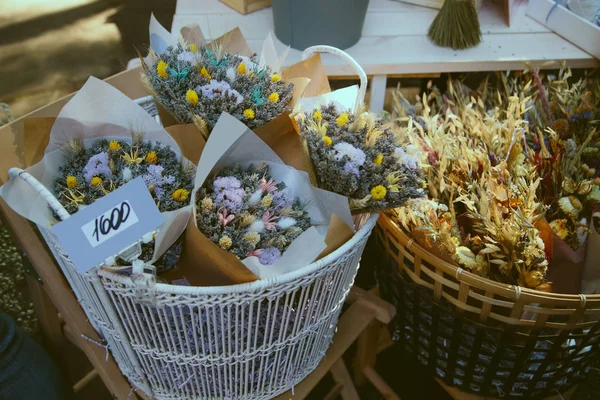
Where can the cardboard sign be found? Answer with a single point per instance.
(108, 225)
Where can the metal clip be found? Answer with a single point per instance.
(144, 278)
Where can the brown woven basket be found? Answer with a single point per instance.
(479, 335)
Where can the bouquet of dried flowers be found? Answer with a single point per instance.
(100, 141)
(482, 209)
(355, 155)
(246, 212)
(567, 156)
(197, 83)
(90, 173)
(256, 217)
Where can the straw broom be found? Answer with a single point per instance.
(456, 25)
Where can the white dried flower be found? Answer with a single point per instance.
(286, 222)
(257, 226)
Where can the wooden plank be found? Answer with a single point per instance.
(60, 293)
(46, 313)
(384, 311)
(366, 352)
(350, 325)
(377, 98)
(84, 381)
(342, 376)
(380, 384)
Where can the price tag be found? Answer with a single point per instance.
(108, 225)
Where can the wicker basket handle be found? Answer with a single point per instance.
(362, 88)
(41, 189)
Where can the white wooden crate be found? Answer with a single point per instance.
(567, 24)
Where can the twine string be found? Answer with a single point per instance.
(96, 343)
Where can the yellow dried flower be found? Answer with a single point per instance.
(249, 113)
(71, 182)
(327, 140)
(225, 242)
(342, 119)
(559, 226)
(252, 237)
(114, 146)
(204, 73)
(161, 69)
(246, 220)
(96, 181)
(151, 157)
(191, 97)
(241, 68)
(274, 97)
(378, 192)
(193, 48)
(317, 115)
(206, 204)
(275, 78)
(392, 180)
(267, 200)
(180, 195)
(378, 160)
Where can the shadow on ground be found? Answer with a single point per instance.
(47, 53)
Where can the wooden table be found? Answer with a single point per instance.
(395, 42)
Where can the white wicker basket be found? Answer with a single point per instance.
(249, 341)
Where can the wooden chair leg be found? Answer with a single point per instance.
(340, 375)
(380, 384)
(366, 352)
(46, 313)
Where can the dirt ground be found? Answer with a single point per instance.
(49, 48)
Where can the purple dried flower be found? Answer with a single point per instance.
(218, 89)
(231, 199)
(351, 168)
(155, 180)
(186, 56)
(97, 165)
(226, 182)
(282, 198)
(345, 149)
(269, 255)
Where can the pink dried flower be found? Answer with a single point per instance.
(224, 219)
(269, 219)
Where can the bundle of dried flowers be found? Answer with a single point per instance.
(91, 173)
(482, 206)
(355, 155)
(567, 156)
(246, 212)
(196, 84)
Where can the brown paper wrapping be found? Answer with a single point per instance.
(22, 142)
(590, 283)
(309, 78)
(566, 267)
(202, 262)
(205, 264)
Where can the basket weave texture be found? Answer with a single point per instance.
(479, 335)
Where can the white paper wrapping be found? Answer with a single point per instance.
(344, 99)
(160, 39)
(98, 110)
(233, 143)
